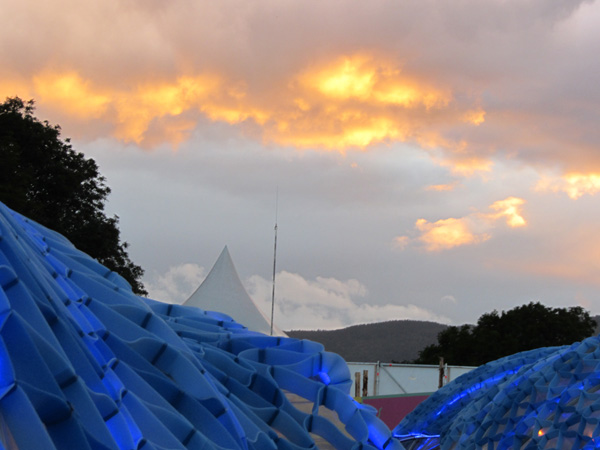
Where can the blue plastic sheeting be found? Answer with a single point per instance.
(86, 364)
(541, 399)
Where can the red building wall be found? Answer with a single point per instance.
(392, 409)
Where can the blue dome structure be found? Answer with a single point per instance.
(547, 398)
(86, 364)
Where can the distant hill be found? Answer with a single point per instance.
(393, 341)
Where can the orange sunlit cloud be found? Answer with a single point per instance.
(132, 111)
(511, 209)
(69, 92)
(318, 77)
(401, 242)
(476, 117)
(447, 233)
(472, 229)
(458, 160)
(468, 166)
(353, 101)
(362, 78)
(441, 187)
(154, 101)
(573, 184)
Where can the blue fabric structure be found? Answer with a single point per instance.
(541, 399)
(86, 364)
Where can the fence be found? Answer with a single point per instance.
(376, 379)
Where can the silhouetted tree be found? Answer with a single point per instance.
(43, 178)
(496, 335)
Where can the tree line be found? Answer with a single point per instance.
(43, 178)
(501, 334)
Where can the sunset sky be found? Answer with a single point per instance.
(432, 159)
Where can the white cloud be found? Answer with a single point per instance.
(176, 284)
(449, 299)
(326, 303)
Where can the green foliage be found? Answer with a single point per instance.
(496, 335)
(43, 178)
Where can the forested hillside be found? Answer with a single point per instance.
(394, 341)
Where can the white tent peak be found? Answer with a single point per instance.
(223, 291)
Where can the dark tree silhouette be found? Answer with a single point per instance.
(43, 178)
(496, 335)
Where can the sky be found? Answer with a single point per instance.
(423, 159)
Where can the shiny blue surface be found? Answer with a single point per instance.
(86, 364)
(544, 398)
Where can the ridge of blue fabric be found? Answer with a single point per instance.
(86, 364)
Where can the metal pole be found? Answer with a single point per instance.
(274, 263)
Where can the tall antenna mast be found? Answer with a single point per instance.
(274, 260)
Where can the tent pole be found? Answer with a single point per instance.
(274, 262)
